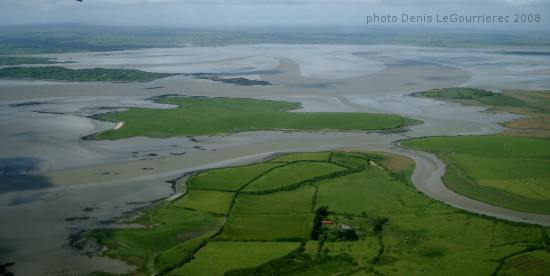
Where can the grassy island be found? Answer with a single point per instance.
(211, 116)
(18, 60)
(286, 217)
(79, 75)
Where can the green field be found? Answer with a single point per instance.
(472, 94)
(212, 116)
(169, 230)
(290, 174)
(268, 227)
(229, 179)
(348, 194)
(375, 223)
(349, 161)
(294, 201)
(511, 172)
(311, 156)
(207, 201)
(530, 263)
(80, 75)
(216, 258)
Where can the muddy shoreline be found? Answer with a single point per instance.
(111, 178)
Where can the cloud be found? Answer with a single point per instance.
(269, 2)
(246, 12)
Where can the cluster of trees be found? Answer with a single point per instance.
(320, 214)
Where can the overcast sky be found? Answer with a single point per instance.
(256, 12)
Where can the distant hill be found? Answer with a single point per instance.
(23, 39)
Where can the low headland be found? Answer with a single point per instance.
(216, 116)
(331, 212)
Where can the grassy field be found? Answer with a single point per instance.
(311, 156)
(511, 172)
(207, 201)
(348, 194)
(530, 263)
(375, 223)
(79, 75)
(291, 174)
(294, 201)
(230, 115)
(216, 258)
(349, 161)
(169, 229)
(268, 227)
(229, 179)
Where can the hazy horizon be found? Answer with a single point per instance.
(269, 13)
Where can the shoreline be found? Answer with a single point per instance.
(107, 177)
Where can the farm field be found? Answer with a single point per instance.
(207, 201)
(530, 263)
(365, 219)
(283, 177)
(299, 200)
(239, 176)
(216, 258)
(506, 171)
(228, 115)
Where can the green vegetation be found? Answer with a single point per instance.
(227, 115)
(294, 173)
(310, 156)
(349, 161)
(220, 78)
(16, 60)
(216, 258)
(293, 201)
(229, 179)
(268, 227)
(534, 105)
(207, 201)
(479, 95)
(170, 231)
(364, 219)
(80, 75)
(506, 171)
(348, 194)
(530, 263)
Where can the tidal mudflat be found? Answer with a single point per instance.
(88, 183)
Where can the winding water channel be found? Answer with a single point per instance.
(67, 184)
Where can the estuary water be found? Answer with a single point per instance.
(54, 184)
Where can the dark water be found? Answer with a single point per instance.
(16, 175)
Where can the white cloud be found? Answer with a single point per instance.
(200, 12)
